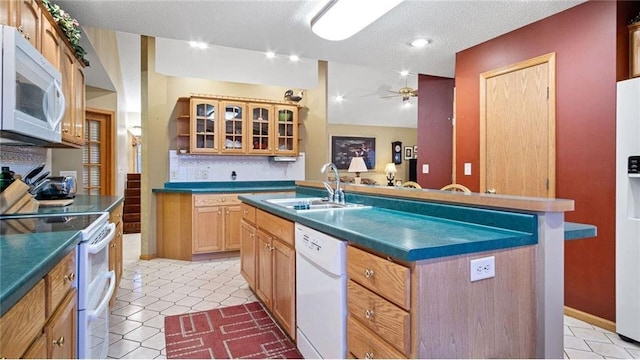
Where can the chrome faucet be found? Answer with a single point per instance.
(337, 195)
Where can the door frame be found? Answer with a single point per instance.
(549, 58)
(108, 176)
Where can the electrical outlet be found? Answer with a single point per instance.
(425, 168)
(483, 268)
(174, 174)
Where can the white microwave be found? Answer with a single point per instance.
(32, 100)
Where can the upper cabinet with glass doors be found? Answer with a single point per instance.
(244, 127)
(204, 126)
(286, 137)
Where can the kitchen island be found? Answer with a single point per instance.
(423, 230)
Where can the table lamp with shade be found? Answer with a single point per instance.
(357, 166)
(390, 170)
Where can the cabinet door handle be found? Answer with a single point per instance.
(368, 273)
(251, 235)
(368, 314)
(245, 212)
(368, 355)
(59, 342)
(70, 277)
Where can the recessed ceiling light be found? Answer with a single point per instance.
(404, 72)
(294, 58)
(418, 43)
(339, 98)
(270, 54)
(199, 45)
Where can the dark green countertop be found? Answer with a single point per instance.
(411, 235)
(27, 258)
(227, 187)
(407, 236)
(83, 204)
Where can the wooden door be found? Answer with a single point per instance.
(98, 155)
(28, 21)
(61, 330)
(264, 268)
(260, 129)
(517, 129)
(78, 102)
(232, 217)
(284, 286)
(248, 253)
(205, 115)
(207, 229)
(51, 43)
(67, 66)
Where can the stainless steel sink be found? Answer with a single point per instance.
(313, 204)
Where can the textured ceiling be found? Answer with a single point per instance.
(283, 27)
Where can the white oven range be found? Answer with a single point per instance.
(96, 284)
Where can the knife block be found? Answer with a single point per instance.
(16, 199)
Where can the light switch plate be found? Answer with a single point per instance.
(467, 168)
(425, 168)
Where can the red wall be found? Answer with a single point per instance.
(435, 132)
(584, 40)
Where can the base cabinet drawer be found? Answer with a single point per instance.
(364, 344)
(385, 319)
(25, 319)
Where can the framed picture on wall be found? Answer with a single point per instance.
(344, 148)
(415, 151)
(408, 152)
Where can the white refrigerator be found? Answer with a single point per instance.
(628, 210)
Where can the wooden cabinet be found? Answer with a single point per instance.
(192, 227)
(233, 124)
(378, 301)
(400, 310)
(61, 329)
(51, 43)
(286, 136)
(46, 313)
(219, 125)
(74, 92)
(248, 252)
(6, 13)
(115, 247)
(260, 129)
(27, 18)
(268, 264)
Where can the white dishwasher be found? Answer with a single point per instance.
(321, 294)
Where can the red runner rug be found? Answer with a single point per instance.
(240, 331)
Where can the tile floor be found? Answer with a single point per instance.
(151, 290)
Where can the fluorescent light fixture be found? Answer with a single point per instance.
(418, 43)
(294, 58)
(199, 45)
(270, 54)
(340, 19)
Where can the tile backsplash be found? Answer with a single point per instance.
(23, 158)
(207, 168)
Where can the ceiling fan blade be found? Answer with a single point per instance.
(389, 96)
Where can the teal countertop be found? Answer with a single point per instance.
(410, 236)
(226, 187)
(83, 204)
(413, 230)
(27, 258)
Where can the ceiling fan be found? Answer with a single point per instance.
(405, 92)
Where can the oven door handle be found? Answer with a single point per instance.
(97, 247)
(93, 314)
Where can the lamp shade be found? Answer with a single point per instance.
(357, 165)
(390, 168)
